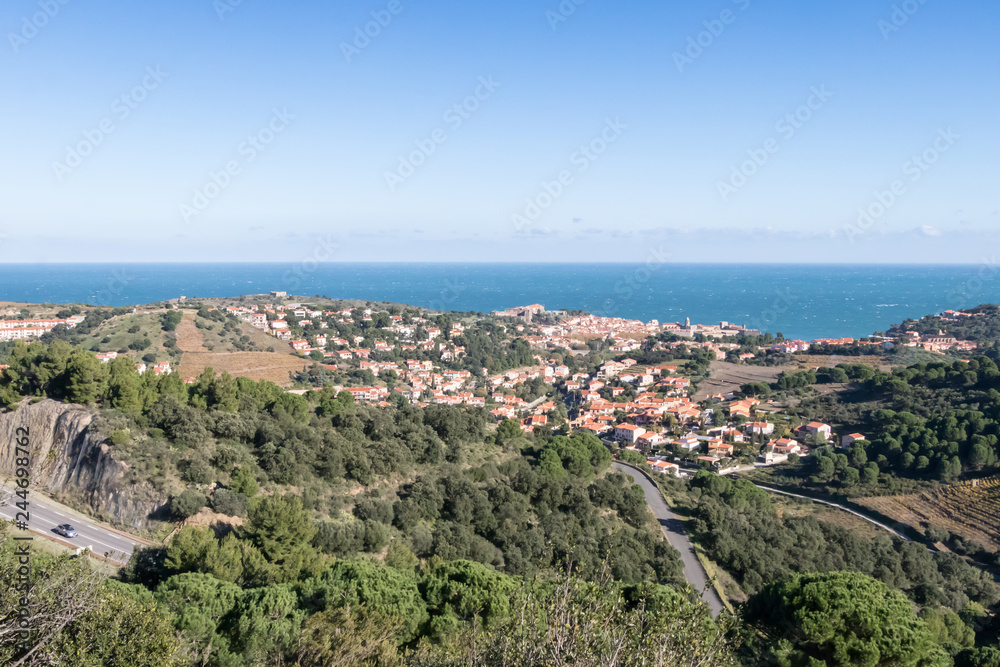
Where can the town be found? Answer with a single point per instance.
(643, 412)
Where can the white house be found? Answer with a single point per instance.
(628, 433)
(819, 427)
(849, 440)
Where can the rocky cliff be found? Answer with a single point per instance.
(71, 462)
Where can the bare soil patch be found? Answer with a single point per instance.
(831, 361)
(970, 510)
(724, 377)
(271, 366)
(189, 337)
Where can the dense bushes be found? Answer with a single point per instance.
(740, 529)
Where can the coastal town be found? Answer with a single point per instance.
(646, 410)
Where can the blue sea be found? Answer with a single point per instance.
(800, 301)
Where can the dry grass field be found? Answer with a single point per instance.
(272, 366)
(830, 361)
(792, 507)
(969, 509)
(724, 377)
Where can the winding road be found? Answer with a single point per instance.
(673, 528)
(881, 525)
(45, 515)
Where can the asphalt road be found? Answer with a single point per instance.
(45, 515)
(674, 530)
(895, 532)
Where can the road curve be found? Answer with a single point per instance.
(45, 515)
(673, 528)
(838, 506)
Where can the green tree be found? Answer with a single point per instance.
(85, 378)
(283, 530)
(384, 591)
(196, 604)
(244, 481)
(187, 503)
(841, 619)
(508, 431)
(125, 629)
(124, 389)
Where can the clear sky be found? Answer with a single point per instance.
(722, 130)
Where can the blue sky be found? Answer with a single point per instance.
(216, 130)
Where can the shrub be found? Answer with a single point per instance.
(229, 502)
(187, 504)
(936, 534)
(120, 437)
(198, 472)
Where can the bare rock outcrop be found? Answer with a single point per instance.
(72, 462)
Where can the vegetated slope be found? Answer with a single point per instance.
(725, 377)
(982, 326)
(970, 510)
(73, 462)
(196, 356)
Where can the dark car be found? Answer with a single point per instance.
(66, 530)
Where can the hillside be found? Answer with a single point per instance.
(233, 347)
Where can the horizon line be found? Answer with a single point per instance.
(491, 263)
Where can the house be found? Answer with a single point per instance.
(764, 428)
(785, 446)
(528, 424)
(300, 345)
(650, 440)
(690, 442)
(740, 408)
(819, 428)
(720, 449)
(849, 440)
(628, 433)
(666, 468)
(770, 457)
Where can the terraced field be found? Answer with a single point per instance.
(970, 509)
(273, 366)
